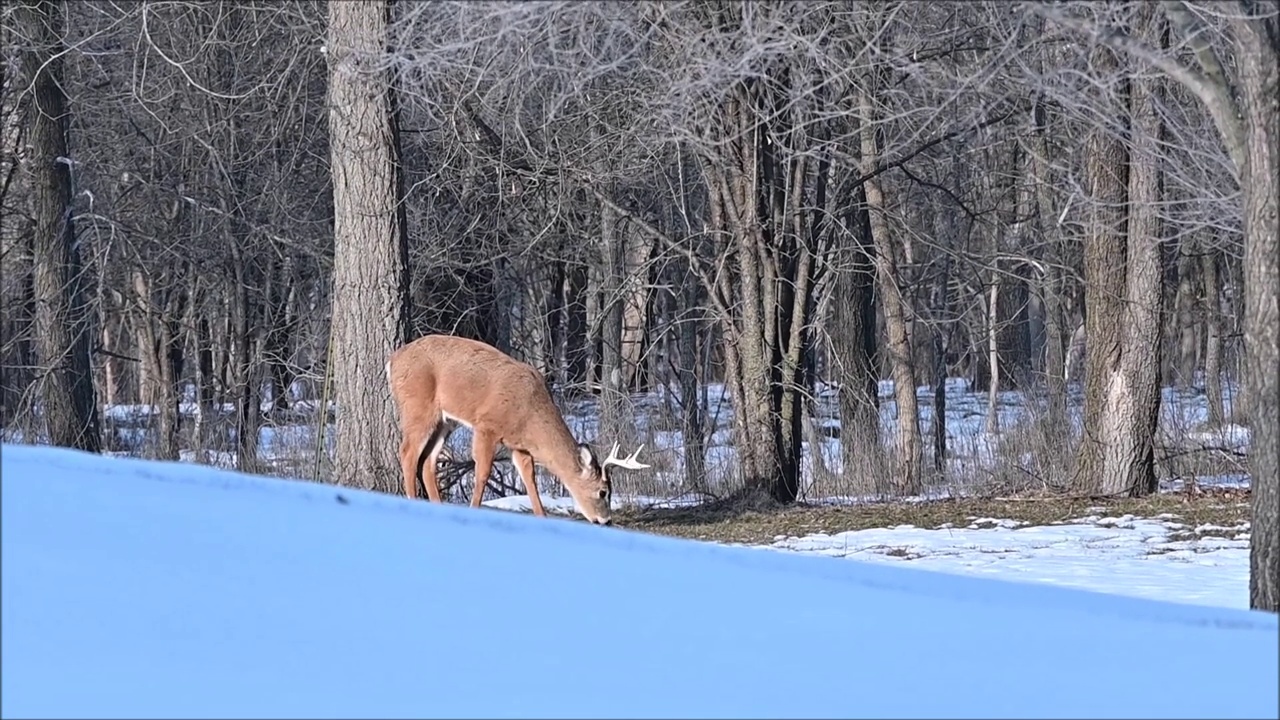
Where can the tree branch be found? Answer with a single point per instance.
(695, 263)
(885, 166)
(1212, 89)
(1192, 31)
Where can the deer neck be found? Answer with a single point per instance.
(560, 453)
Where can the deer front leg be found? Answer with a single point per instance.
(524, 466)
(482, 449)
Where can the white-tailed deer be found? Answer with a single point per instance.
(441, 381)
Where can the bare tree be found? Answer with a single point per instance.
(908, 445)
(370, 265)
(1241, 99)
(854, 353)
(61, 314)
(1123, 275)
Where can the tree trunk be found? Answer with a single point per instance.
(1259, 59)
(635, 293)
(1014, 335)
(941, 304)
(62, 317)
(155, 388)
(1212, 311)
(18, 327)
(616, 421)
(577, 341)
(370, 278)
(757, 187)
(1123, 274)
(992, 425)
(532, 331)
(1132, 469)
(1104, 278)
(278, 329)
(908, 446)
(246, 376)
(110, 371)
(1050, 280)
(201, 343)
(1184, 326)
(690, 398)
(853, 358)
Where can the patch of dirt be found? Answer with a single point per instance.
(755, 521)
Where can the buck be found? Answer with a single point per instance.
(439, 382)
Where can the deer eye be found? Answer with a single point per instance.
(604, 493)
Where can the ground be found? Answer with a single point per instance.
(1185, 544)
(1224, 510)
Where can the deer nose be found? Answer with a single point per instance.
(603, 521)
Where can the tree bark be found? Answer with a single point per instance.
(1184, 335)
(992, 424)
(160, 351)
(1134, 394)
(853, 358)
(370, 250)
(577, 341)
(62, 315)
(1212, 311)
(1050, 284)
(245, 370)
(908, 445)
(635, 291)
(616, 421)
(941, 304)
(1259, 58)
(1116, 455)
(690, 396)
(756, 188)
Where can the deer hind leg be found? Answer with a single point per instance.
(524, 465)
(483, 447)
(432, 448)
(412, 443)
(417, 437)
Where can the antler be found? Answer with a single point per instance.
(630, 462)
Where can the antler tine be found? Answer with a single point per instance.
(632, 457)
(630, 462)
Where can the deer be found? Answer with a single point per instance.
(439, 382)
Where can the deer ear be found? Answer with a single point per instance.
(584, 455)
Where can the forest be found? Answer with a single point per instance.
(772, 227)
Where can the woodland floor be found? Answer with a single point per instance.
(1222, 509)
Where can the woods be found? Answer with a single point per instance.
(220, 218)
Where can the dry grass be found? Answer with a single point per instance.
(759, 523)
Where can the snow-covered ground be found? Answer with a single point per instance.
(144, 589)
(1159, 558)
(1123, 555)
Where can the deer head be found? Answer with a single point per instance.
(593, 490)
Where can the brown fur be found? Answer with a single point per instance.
(505, 402)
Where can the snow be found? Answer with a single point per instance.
(287, 442)
(1124, 555)
(147, 589)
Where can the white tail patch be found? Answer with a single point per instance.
(456, 420)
